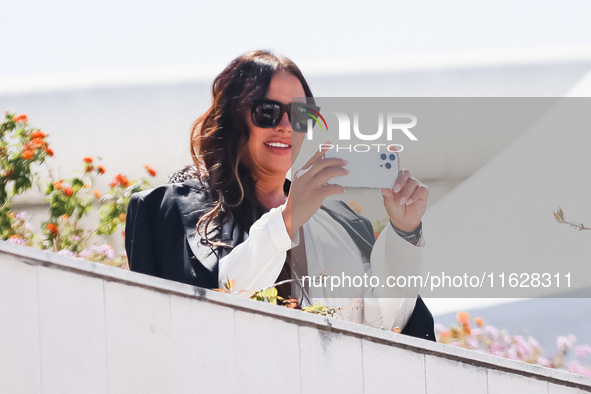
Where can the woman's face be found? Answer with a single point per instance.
(270, 151)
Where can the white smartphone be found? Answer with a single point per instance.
(372, 169)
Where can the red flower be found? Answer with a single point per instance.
(21, 118)
(87, 160)
(68, 191)
(52, 228)
(27, 154)
(100, 169)
(150, 170)
(49, 152)
(89, 168)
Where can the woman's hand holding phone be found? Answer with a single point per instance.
(406, 202)
(309, 188)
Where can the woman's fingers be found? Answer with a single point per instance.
(329, 190)
(403, 176)
(420, 193)
(404, 195)
(322, 171)
(316, 156)
(328, 173)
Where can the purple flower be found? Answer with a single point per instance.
(544, 362)
(512, 354)
(66, 252)
(564, 343)
(492, 331)
(17, 240)
(473, 343)
(523, 347)
(583, 351)
(575, 367)
(535, 343)
(21, 215)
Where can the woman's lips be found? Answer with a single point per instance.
(278, 147)
(278, 144)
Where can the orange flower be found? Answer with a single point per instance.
(38, 142)
(86, 186)
(466, 328)
(121, 180)
(52, 228)
(38, 134)
(150, 170)
(100, 169)
(64, 216)
(291, 303)
(49, 152)
(27, 154)
(68, 191)
(57, 185)
(89, 168)
(21, 118)
(87, 160)
(97, 194)
(479, 321)
(463, 317)
(122, 217)
(15, 236)
(444, 334)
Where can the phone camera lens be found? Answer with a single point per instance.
(383, 156)
(392, 157)
(388, 165)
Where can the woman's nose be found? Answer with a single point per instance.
(285, 122)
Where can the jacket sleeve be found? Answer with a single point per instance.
(139, 242)
(256, 263)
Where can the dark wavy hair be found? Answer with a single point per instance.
(218, 140)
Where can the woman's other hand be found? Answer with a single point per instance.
(309, 188)
(406, 202)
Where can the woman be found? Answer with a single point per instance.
(239, 218)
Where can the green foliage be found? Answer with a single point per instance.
(320, 309)
(559, 216)
(69, 200)
(21, 148)
(269, 295)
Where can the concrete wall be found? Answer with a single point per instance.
(70, 326)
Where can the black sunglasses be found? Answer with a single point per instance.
(267, 114)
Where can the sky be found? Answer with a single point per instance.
(67, 36)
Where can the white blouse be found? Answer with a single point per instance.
(256, 263)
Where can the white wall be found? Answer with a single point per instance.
(70, 326)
